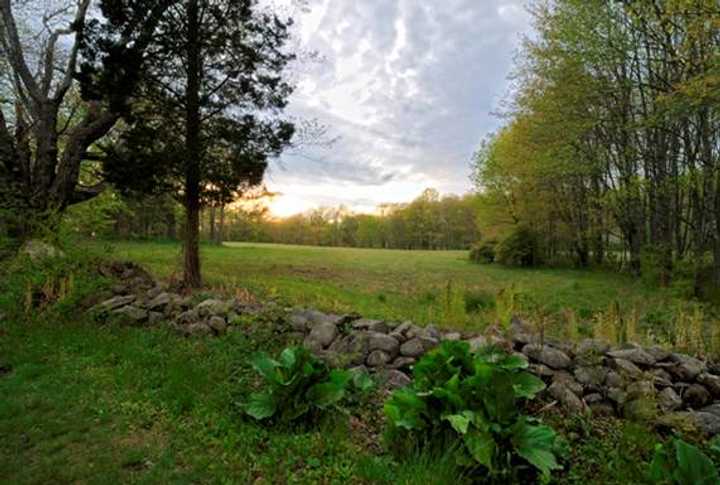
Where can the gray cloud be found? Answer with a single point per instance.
(408, 86)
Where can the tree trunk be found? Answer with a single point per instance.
(192, 276)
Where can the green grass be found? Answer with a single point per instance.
(399, 285)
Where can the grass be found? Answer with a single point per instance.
(398, 285)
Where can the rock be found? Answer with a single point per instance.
(370, 325)
(636, 356)
(378, 358)
(613, 379)
(153, 292)
(626, 368)
(115, 303)
(567, 380)
(412, 348)
(159, 302)
(380, 341)
(298, 322)
(131, 314)
(568, 399)
(395, 379)
(404, 328)
(119, 289)
(668, 400)
(661, 378)
(592, 377)
(640, 390)
(686, 368)
(321, 336)
(592, 346)
(711, 383)
(547, 355)
(712, 409)
(211, 308)
(593, 398)
(708, 423)
(155, 318)
(432, 332)
(696, 396)
(541, 370)
(197, 330)
(602, 409)
(218, 324)
(39, 251)
(477, 343)
(617, 395)
(402, 363)
(520, 333)
(658, 353)
(354, 346)
(452, 337)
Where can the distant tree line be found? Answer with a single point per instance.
(610, 151)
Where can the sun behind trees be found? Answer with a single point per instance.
(610, 149)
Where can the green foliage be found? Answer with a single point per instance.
(298, 384)
(474, 401)
(520, 248)
(483, 252)
(680, 463)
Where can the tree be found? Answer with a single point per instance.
(216, 81)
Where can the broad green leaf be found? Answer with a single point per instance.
(325, 394)
(460, 422)
(260, 406)
(535, 444)
(405, 409)
(513, 362)
(362, 382)
(661, 467)
(481, 445)
(288, 357)
(527, 385)
(499, 400)
(266, 367)
(693, 467)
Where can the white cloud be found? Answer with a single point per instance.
(408, 86)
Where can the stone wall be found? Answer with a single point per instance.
(628, 381)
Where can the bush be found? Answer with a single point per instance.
(471, 402)
(483, 252)
(520, 248)
(682, 464)
(298, 384)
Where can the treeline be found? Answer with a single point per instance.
(610, 153)
(428, 222)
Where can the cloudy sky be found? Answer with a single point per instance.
(407, 86)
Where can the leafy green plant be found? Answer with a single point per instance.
(474, 401)
(681, 463)
(297, 383)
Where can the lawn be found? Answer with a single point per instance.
(394, 284)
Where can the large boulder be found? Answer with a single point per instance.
(686, 368)
(354, 346)
(668, 400)
(321, 336)
(381, 341)
(378, 358)
(551, 357)
(566, 397)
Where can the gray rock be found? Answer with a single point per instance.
(640, 390)
(593, 398)
(636, 356)
(567, 380)
(155, 318)
(668, 400)
(159, 302)
(593, 377)
(39, 251)
(395, 379)
(211, 308)
(381, 341)
(712, 409)
(153, 292)
(708, 423)
(602, 409)
(617, 395)
(321, 336)
(188, 317)
(197, 330)
(370, 325)
(433, 332)
(626, 368)
(614, 379)
(402, 363)
(452, 337)
(541, 370)
(298, 322)
(412, 348)
(131, 314)
(661, 378)
(593, 346)
(658, 353)
(218, 324)
(568, 399)
(686, 368)
(547, 355)
(378, 358)
(696, 396)
(477, 343)
(404, 328)
(115, 303)
(711, 383)
(354, 346)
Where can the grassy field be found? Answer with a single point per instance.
(400, 285)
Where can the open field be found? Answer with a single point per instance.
(399, 285)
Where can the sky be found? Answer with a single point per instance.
(407, 88)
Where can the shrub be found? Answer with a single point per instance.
(682, 464)
(298, 384)
(520, 248)
(472, 402)
(483, 252)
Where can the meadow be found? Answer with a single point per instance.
(441, 287)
